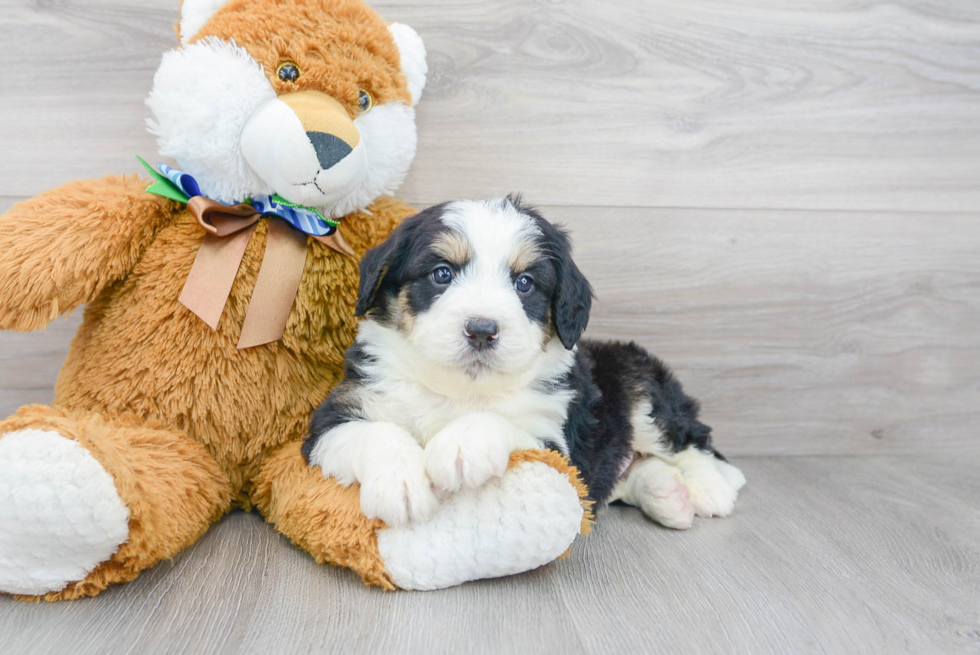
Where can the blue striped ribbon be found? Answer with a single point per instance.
(304, 219)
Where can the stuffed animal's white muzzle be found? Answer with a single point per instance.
(306, 147)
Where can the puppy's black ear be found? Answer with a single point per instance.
(572, 299)
(388, 259)
(374, 266)
(573, 294)
(573, 302)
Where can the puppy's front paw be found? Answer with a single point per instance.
(469, 451)
(395, 489)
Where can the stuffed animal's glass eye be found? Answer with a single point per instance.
(442, 275)
(364, 101)
(288, 71)
(524, 284)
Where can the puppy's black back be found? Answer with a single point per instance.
(612, 379)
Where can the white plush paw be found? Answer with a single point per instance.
(60, 513)
(395, 488)
(468, 452)
(520, 521)
(712, 483)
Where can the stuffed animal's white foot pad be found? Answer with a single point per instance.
(515, 523)
(60, 513)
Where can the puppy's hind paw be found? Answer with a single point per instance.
(658, 490)
(713, 484)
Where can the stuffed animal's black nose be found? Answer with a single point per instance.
(329, 148)
(481, 332)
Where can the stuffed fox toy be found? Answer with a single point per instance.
(218, 306)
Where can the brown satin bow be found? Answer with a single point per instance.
(216, 266)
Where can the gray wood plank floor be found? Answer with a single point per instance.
(824, 555)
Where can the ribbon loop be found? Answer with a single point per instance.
(220, 219)
(229, 229)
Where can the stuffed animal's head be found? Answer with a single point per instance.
(312, 100)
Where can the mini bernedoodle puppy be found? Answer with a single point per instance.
(469, 350)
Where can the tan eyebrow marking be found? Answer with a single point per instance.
(524, 256)
(453, 247)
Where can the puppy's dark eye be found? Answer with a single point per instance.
(442, 275)
(364, 101)
(524, 284)
(288, 71)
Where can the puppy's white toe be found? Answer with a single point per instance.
(713, 489)
(465, 455)
(60, 513)
(397, 490)
(658, 489)
(732, 474)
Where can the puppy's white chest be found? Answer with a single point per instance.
(425, 413)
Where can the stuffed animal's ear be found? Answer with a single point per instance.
(412, 52)
(194, 14)
(573, 297)
(374, 266)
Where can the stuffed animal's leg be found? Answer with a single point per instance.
(318, 515)
(87, 500)
(520, 521)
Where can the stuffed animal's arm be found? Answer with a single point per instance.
(60, 249)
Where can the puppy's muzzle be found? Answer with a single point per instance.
(482, 333)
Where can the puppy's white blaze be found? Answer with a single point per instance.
(495, 229)
(483, 289)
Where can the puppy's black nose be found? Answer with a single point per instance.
(329, 148)
(481, 332)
